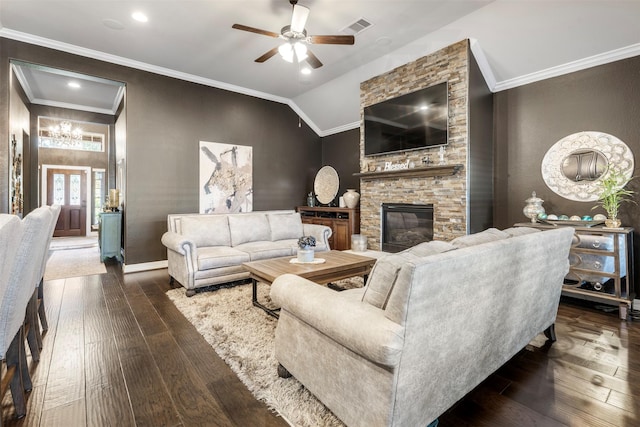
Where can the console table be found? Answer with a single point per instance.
(109, 235)
(343, 222)
(601, 265)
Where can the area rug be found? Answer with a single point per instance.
(243, 336)
(74, 263)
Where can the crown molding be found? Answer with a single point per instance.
(483, 64)
(343, 128)
(570, 67)
(114, 59)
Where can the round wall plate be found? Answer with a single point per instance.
(326, 184)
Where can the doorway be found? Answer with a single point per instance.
(67, 186)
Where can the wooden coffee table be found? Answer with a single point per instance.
(338, 265)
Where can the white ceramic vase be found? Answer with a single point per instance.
(305, 255)
(351, 198)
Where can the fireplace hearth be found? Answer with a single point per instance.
(404, 225)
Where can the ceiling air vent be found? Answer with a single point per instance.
(357, 27)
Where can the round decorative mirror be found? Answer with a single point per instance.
(574, 165)
(326, 184)
(584, 165)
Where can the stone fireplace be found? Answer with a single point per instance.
(405, 225)
(458, 186)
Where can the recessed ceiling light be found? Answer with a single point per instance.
(74, 85)
(305, 70)
(139, 16)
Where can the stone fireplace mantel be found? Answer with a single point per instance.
(427, 171)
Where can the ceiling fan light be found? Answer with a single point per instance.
(286, 52)
(301, 51)
(299, 18)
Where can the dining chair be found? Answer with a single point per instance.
(55, 213)
(11, 331)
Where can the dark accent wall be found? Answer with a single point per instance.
(342, 152)
(166, 119)
(531, 118)
(480, 151)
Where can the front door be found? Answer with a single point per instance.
(68, 188)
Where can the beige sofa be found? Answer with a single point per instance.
(209, 249)
(432, 323)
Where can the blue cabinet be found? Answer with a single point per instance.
(109, 235)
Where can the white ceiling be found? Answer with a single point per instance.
(515, 42)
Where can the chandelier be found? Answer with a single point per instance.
(63, 135)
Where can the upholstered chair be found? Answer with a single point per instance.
(21, 291)
(11, 336)
(41, 220)
(55, 213)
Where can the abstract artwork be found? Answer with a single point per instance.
(226, 182)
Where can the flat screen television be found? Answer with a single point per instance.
(409, 122)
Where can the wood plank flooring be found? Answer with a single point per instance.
(118, 353)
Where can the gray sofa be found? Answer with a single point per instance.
(432, 323)
(209, 249)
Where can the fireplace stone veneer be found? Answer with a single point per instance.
(447, 193)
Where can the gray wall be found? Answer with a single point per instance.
(166, 119)
(531, 118)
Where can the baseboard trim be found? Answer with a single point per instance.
(144, 266)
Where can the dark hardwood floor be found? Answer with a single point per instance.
(118, 353)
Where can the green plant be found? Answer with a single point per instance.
(306, 242)
(613, 193)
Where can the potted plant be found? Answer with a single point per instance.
(306, 245)
(613, 195)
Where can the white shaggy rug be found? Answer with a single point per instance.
(243, 336)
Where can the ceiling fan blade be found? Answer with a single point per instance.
(299, 18)
(267, 55)
(332, 39)
(255, 30)
(313, 60)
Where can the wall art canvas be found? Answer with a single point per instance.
(226, 178)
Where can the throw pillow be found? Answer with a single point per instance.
(431, 248)
(488, 235)
(207, 230)
(285, 226)
(249, 227)
(520, 231)
(384, 275)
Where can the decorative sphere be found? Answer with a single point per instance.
(575, 218)
(587, 218)
(599, 217)
(542, 215)
(552, 217)
(563, 217)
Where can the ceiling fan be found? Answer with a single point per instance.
(296, 38)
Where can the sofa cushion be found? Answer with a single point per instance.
(220, 256)
(520, 231)
(285, 226)
(249, 227)
(488, 235)
(207, 230)
(265, 249)
(385, 272)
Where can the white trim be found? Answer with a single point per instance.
(570, 67)
(483, 64)
(87, 171)
(144, 266)
(101, 56)
(338, 129)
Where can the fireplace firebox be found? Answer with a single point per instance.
(405, 225)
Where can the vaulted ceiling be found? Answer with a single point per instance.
(515, 42)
